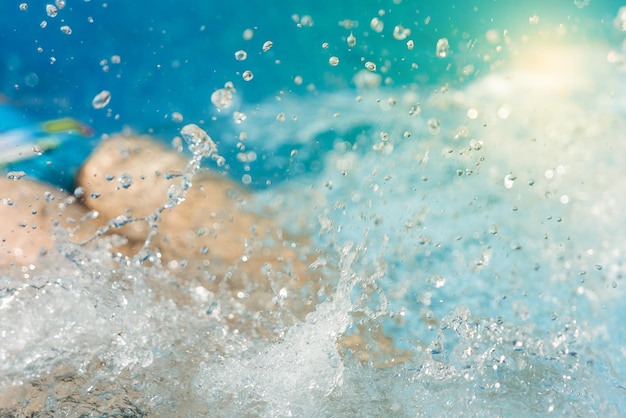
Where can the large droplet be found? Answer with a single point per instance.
(377, 25)
(401, 33)
(125, 180)
(101, 99)
(222, 98)
(51, 10)
(351, 40)
(443, 48)
(241, 55)
(200, 143)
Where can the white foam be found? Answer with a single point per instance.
(492, 284)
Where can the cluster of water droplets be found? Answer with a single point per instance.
(201, 146)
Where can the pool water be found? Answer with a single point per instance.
(466, 202)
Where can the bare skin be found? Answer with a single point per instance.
(29, 211)
(210, 234)
(210, 239)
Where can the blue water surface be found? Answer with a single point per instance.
(174, 55)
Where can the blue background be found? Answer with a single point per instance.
(175, 54)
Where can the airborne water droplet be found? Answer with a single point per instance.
(239, 117)
(200, 143)
(51, 10)
(241, 55)
(177, 117)
(434, 126)
(101, 99)
(247, 75)
(222, 98)
(370, 66)
(377, 25)
(267, 46)
(443, 48)
(66, 30)
(333, 61)
(125, 180)
(351, 40)
(15, 175)
(401, 33)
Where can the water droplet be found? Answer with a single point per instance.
(533, 20)
(175, 193)
(280, 117)
(370, 66)
(101, 99)
(334, 61)
(199, 142)
(415, 110)
(614, 284)
(267, 46)
(248, 34)
(440, 281)
(325, 45)
(222, 98)
(23, 6)
(351, 40)
(246, 179)
(66, 30)
(410, 44)
(247, 75)
(509, 181)
(241, 55)
(401, 33)
(443, 48)
(377, 25)
(51, 10)
(306, 21)
(79, 192)
(48, 196)
(476, 145)
(434, 126)
(125, 180)
(15, 175)
(60, 4)
(239, 117)
(297, 80)
(37, 150)
(177, 117)
(581, 3)
(116, 59)
(503, 112)
(94, 195)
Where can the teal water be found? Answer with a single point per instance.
(481, 191)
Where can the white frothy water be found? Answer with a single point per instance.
(490, 248)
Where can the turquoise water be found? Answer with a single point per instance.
(471, 203)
